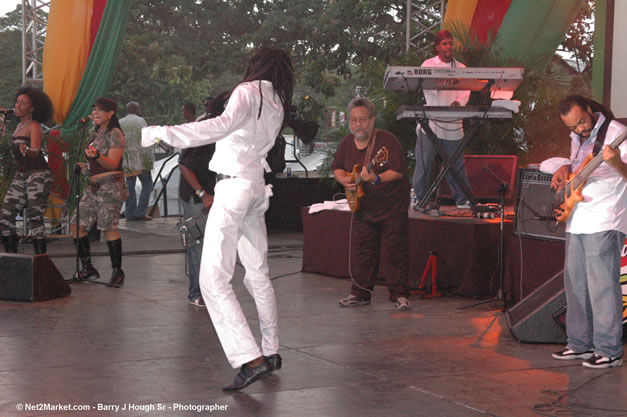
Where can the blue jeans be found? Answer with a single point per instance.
(134, 209)
(593, 293)
(193, 209)
(425, 154)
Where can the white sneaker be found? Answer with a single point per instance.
(602, 362)
(402, 303)
(569, 355)
(464, 205)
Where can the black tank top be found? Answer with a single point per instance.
(27, 163)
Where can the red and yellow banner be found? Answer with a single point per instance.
(528, 31)
(82, 45)
(66, 52)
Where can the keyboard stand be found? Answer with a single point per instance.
(447, 162)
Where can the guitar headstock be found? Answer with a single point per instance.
(381, 157)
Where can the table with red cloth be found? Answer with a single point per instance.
(467, 252)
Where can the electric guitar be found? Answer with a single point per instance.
(353, 196)
(570, 194)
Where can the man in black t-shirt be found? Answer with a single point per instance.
(379, 239)
(196, 194)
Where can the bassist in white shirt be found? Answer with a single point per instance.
(596, 224)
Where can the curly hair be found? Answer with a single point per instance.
(42, 106)
(272, 65)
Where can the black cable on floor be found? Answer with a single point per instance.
(565, 403)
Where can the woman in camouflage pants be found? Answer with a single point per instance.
(107, 190)
(31, 183)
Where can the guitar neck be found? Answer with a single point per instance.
(583, 175)
(359, 180)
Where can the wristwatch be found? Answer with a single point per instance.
(377, 181)
(200, 192)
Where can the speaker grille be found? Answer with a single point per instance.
(534, 207)
(535, 319)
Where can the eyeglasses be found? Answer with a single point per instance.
(361, 120)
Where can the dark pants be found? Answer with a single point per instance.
(380, 247)
(134, 209)
(425, 154)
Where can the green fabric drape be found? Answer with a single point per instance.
(533, 29)
(598, 61)
(102, 59)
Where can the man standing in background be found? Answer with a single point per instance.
(449, 132)
(196, 193)
(138, 163)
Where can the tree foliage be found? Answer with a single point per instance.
(180, 50)
(578, 41)
(11, 47)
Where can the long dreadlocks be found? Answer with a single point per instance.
(272, 65)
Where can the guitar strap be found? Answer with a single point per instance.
(370, 148)
(598, 144)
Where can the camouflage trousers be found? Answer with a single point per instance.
(101, 204)
(28, 191)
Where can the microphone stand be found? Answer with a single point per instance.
(75, 182)
(500, 293)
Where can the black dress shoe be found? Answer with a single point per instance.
(275, 361)
(248, 375)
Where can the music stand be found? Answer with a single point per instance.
(500, 293)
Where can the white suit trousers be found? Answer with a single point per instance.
(235, 225)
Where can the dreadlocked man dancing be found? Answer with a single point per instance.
(243, 134)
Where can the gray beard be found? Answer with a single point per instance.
(361, 135)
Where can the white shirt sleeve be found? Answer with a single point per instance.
(239, 109)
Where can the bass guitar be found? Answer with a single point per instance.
(570, 194)
(353, 196)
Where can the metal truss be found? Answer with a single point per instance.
(33, 36)
(423, 18)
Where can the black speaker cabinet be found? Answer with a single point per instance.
(30, 278)
(534, 207)
(540, 316)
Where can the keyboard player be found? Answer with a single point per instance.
(449, 132)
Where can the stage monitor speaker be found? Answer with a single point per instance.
(485, 173)
(540, 317)
(534, 207)
(30, 278)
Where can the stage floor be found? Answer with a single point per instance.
(143, 346)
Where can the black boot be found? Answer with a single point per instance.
(115, 252)
(84, 252)
(10, 243)
(40, 246)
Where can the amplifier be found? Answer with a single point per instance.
(534, 207)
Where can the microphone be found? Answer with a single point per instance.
(83, 120)
(7, 111)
